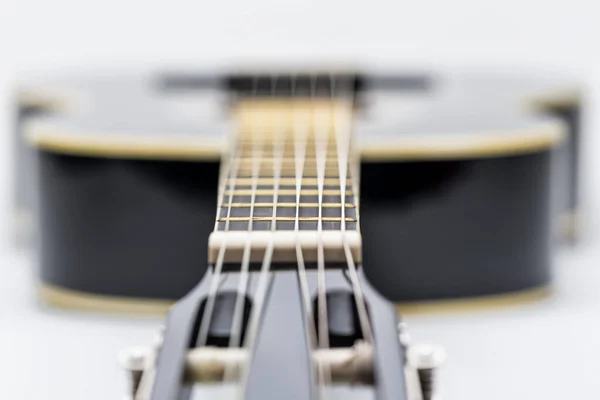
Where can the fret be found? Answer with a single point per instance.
(277, 219)
(265, 226)
(246, 162)
(288, 158)
(288, 205)
(330, 171)
(237, 188)
(309, 169)
(271, 192)
(246, 152)
(286, 181)
(286, 199)
(289, 212)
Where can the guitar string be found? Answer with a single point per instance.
(263, 288)
(218, 267)
(238, 311)
(321, 131)
(265, 279)
(214, 284)
(342, 133)
(301, 130)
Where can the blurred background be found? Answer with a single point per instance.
(547, 349)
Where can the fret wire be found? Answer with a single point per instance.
(330, 162)
(329, 171)
(259, 219)
(271, 160)
(288, 181)
(286, 187)
(290, 205)
(289, 177)
(307, 192)
(290, 170)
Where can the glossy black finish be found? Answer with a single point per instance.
(388, 362)
(280, 367)
(179, 336)
(448, 229)
(127, 228)
(122, 227)
(431, 230)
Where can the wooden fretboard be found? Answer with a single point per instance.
(289, 175)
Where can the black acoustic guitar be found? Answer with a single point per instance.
(142, 179)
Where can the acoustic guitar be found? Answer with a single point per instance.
(291, 211)
(461, 179)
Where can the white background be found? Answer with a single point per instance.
(548, 350)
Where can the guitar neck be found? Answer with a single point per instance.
(289, 170)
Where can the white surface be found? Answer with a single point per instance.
(549, 350)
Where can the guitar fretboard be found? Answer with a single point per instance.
(290, 169)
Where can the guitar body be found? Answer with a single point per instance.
(459, 196)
